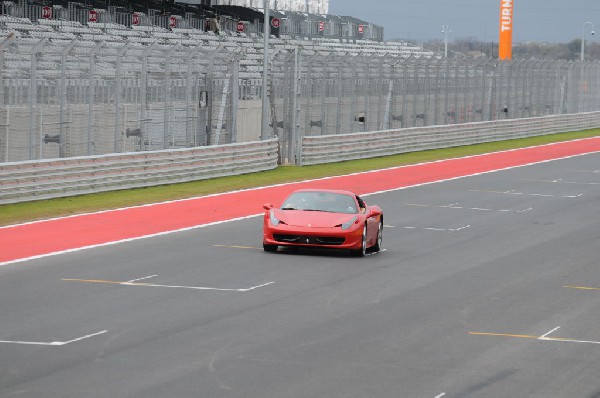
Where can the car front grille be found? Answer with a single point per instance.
(308, 240)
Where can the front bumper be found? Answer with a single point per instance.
(334, 238)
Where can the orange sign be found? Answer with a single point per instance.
(506, 29)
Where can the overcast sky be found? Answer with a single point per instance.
(558, 21)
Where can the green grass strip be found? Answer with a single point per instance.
(43, 209)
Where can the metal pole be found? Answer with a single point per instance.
(118, 94)
(235, 97)
(33, 103)
(168, 135)
(295, 153)
(63, 97)
(190, 141)
(583, 38)
(265, 100)
(445, 31)
(91, 99)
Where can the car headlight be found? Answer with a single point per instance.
(274, 220)
(349, 223)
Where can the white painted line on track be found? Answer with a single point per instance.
(198, 287)
(515, 192)
(141, 279)
(585, 171)
(456, 206)
(542, 337)
(138, 284)
(441, 395)
(438, 229)
(581, 287)
(561, 181)
(53, 343)
(561, 339)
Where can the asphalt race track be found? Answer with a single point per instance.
(489, 286)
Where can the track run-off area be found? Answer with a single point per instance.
(488, 286)
(46, 237)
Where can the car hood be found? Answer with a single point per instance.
(314, 219)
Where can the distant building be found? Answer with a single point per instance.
(311, 6)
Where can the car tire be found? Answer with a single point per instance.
(363, 250)
(378, 243)
(269, 248)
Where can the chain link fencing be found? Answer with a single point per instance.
(71, 99)
(315, 94)
(66, 98)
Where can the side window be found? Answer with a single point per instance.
(361, 203)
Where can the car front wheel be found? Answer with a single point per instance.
(377, 246)
(363, 249)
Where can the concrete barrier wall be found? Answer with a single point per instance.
(335, 148)
(45, 179)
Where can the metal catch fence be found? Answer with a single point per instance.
(72, 99)
(316, 94)
(66, 98)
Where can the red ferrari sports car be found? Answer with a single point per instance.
(323, 218)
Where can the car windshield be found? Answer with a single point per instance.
(320, 201)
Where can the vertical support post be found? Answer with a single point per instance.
(118, 95)
(353, 114)
(366, 95)
(63, 98)
(33, 99)
(388, 106)
(456, 92)
(32, 105)
(416, 92)
(295, 151)
(144, 94)
(323, 95)
(235, 97)
(308, 95)
(91, 99)
(168, 137)
(211, 94)
(3, 44)
(492, 90)
(340, 96)
(7, 134)
(265, 79)
(188, 98)
(446, 90)
(405, 93)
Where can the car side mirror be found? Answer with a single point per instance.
(268, 206)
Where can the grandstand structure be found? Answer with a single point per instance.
(116, 26)
(308, 6)
(310, 21)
